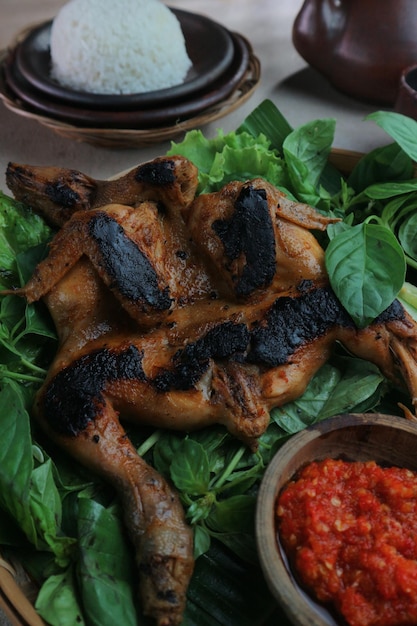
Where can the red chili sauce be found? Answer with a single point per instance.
(350, 532)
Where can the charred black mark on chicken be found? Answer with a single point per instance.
(225, 341)
(250, 232)
(132, 273)
(160, 173)
(74, 397)
(292, 322)
(62, 194)
(394, 312)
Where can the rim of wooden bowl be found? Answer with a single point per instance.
(382, 438)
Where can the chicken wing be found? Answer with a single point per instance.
(256, 238)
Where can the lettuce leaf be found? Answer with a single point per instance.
(231, 156)
(20, 229)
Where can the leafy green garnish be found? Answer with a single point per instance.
(268, 121)
(408, 298)
(345, 385)
(235, 156)
(306, 151)
(401, 128)
(20, 229)
(366, 266)
(387, 163)
(104, 557)
(27, 489)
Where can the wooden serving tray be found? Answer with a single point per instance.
(344, 160)
(17, 594)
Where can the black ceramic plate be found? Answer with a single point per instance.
(209, 46)
(163, 115)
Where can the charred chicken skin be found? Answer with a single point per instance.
(181, 312)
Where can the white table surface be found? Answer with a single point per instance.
(300, 92)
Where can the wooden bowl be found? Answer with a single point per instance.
(384, 439)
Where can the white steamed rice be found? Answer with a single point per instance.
(118, 46)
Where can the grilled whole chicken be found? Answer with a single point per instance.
(181, 312)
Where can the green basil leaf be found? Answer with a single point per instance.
(215, 441)
(199, 509)
(235, 514)
(306, 410)
(401, 128)
(357, 390)
(29, 495)
(38, 322)
(46, 508)
(306, 151)
(383, 191)
(57, 601)
(16, 462)
(381, 164)
(27, 261)
(12, 310)
(104, 567)
(407, 235)
(202, 541)
(366, 267)
(190, 468)
(345, 385)
(334, 229)
(395, 209)
(240, 481)
(166, 449)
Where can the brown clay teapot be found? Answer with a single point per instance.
(361, 46)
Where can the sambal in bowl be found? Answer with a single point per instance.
(336, 523)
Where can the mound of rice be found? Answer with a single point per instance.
(118, 46)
